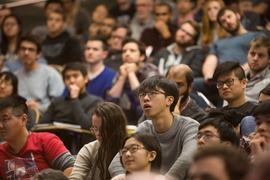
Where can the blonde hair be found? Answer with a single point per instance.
(207, 25)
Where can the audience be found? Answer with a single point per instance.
(213, 131)
(211, 30)
(109, 127)
(163, 33)
(143, 18)
(106, 28)
(50, 174)
(219, 162)
(58, 47)
(26, 153)
(185, 50)
(38, 83)
(123, 11)
(11, 29)
(185, 10)
(258, 76)
(119, 33)
(127, 80)
(158, 96)
(3, 13)
(140, 152)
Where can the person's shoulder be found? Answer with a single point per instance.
(109, 70)
(184, 120)
(92, 98)
(145, 124)
(42, 137)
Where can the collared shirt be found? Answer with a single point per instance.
(256, 84)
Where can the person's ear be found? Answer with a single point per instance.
(105, 54)
(24, 119)
(190, 87)
(244, 82)
(85, 79)
(227, 143)
(170, 100)
(152, 155)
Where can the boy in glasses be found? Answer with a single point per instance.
(158, 96)
(231, 83)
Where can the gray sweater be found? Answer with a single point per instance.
(178, 145)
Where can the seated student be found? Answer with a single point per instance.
(109, 127)
(219, 162)
(158, 96)
(264, 94)
(214, 131)
(77, 106)
(185, 10)
(231, 84)
(50, 174)
(32, 152)
(140, 152)
(260, 141)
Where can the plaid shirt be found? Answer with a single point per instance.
(244, 146)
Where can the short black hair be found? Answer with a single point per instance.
(164, 4)
(226, 68)
(265, 91)
(225, 129)
(76, 66)
(101, 39)
(31, 38)
(123, 25)
(236, 165)
(262, 109)
(53, 2)
(50, 174)
(60, 13)
(167, 85)
(18, 104)
(9, 76)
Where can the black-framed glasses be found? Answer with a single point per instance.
(150, 94)
(132, 149)
(228, 82)
(4, 120)
(94, 129)
(187, 33)
(206, 135)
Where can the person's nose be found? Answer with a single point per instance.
(262, 127)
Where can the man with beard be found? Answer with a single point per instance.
(233, 48)
(258, 61)
(183, 76)
(163, 33)
(185, 50)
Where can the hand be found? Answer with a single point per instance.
(177, 106)
(33, 104)
(163, 29)
(258, 145)
(93, 29)
(123, 70)
(131, 67)
(74, 91)
(208, 80)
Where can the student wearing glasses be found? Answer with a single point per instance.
(109, 127)
(214, 131)
(231, 83)
(158, 96)
(140, 152)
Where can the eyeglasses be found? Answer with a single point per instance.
(150, 94)
(187, 33)
(29, 49)
(228, 82)
(207, 135)
(6, 83)
(94, 129)
(132, 149)
(4, 120)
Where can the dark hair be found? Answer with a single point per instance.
(123, 25)
(261, 41)
(150, 143)
(226, 68)
(101, 39)
(230, 2)
(50, 174)
(262, 109)
(196, 27)
(4, 42)
(113, 132)
(76, 66)
(265, 91)
(140, 45)
(164, 4)
(60, 13)
(18, 104)
(236, 165)
(224, 128)
(167, 85)
(222, 12)
(33, 39)
(54, 2)
(189, 75)
(9, 76)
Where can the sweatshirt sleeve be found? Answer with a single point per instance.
(115, 167)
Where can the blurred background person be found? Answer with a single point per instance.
(3, 13)
(123, 11)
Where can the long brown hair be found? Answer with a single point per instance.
(207, 25)
(113, 132)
